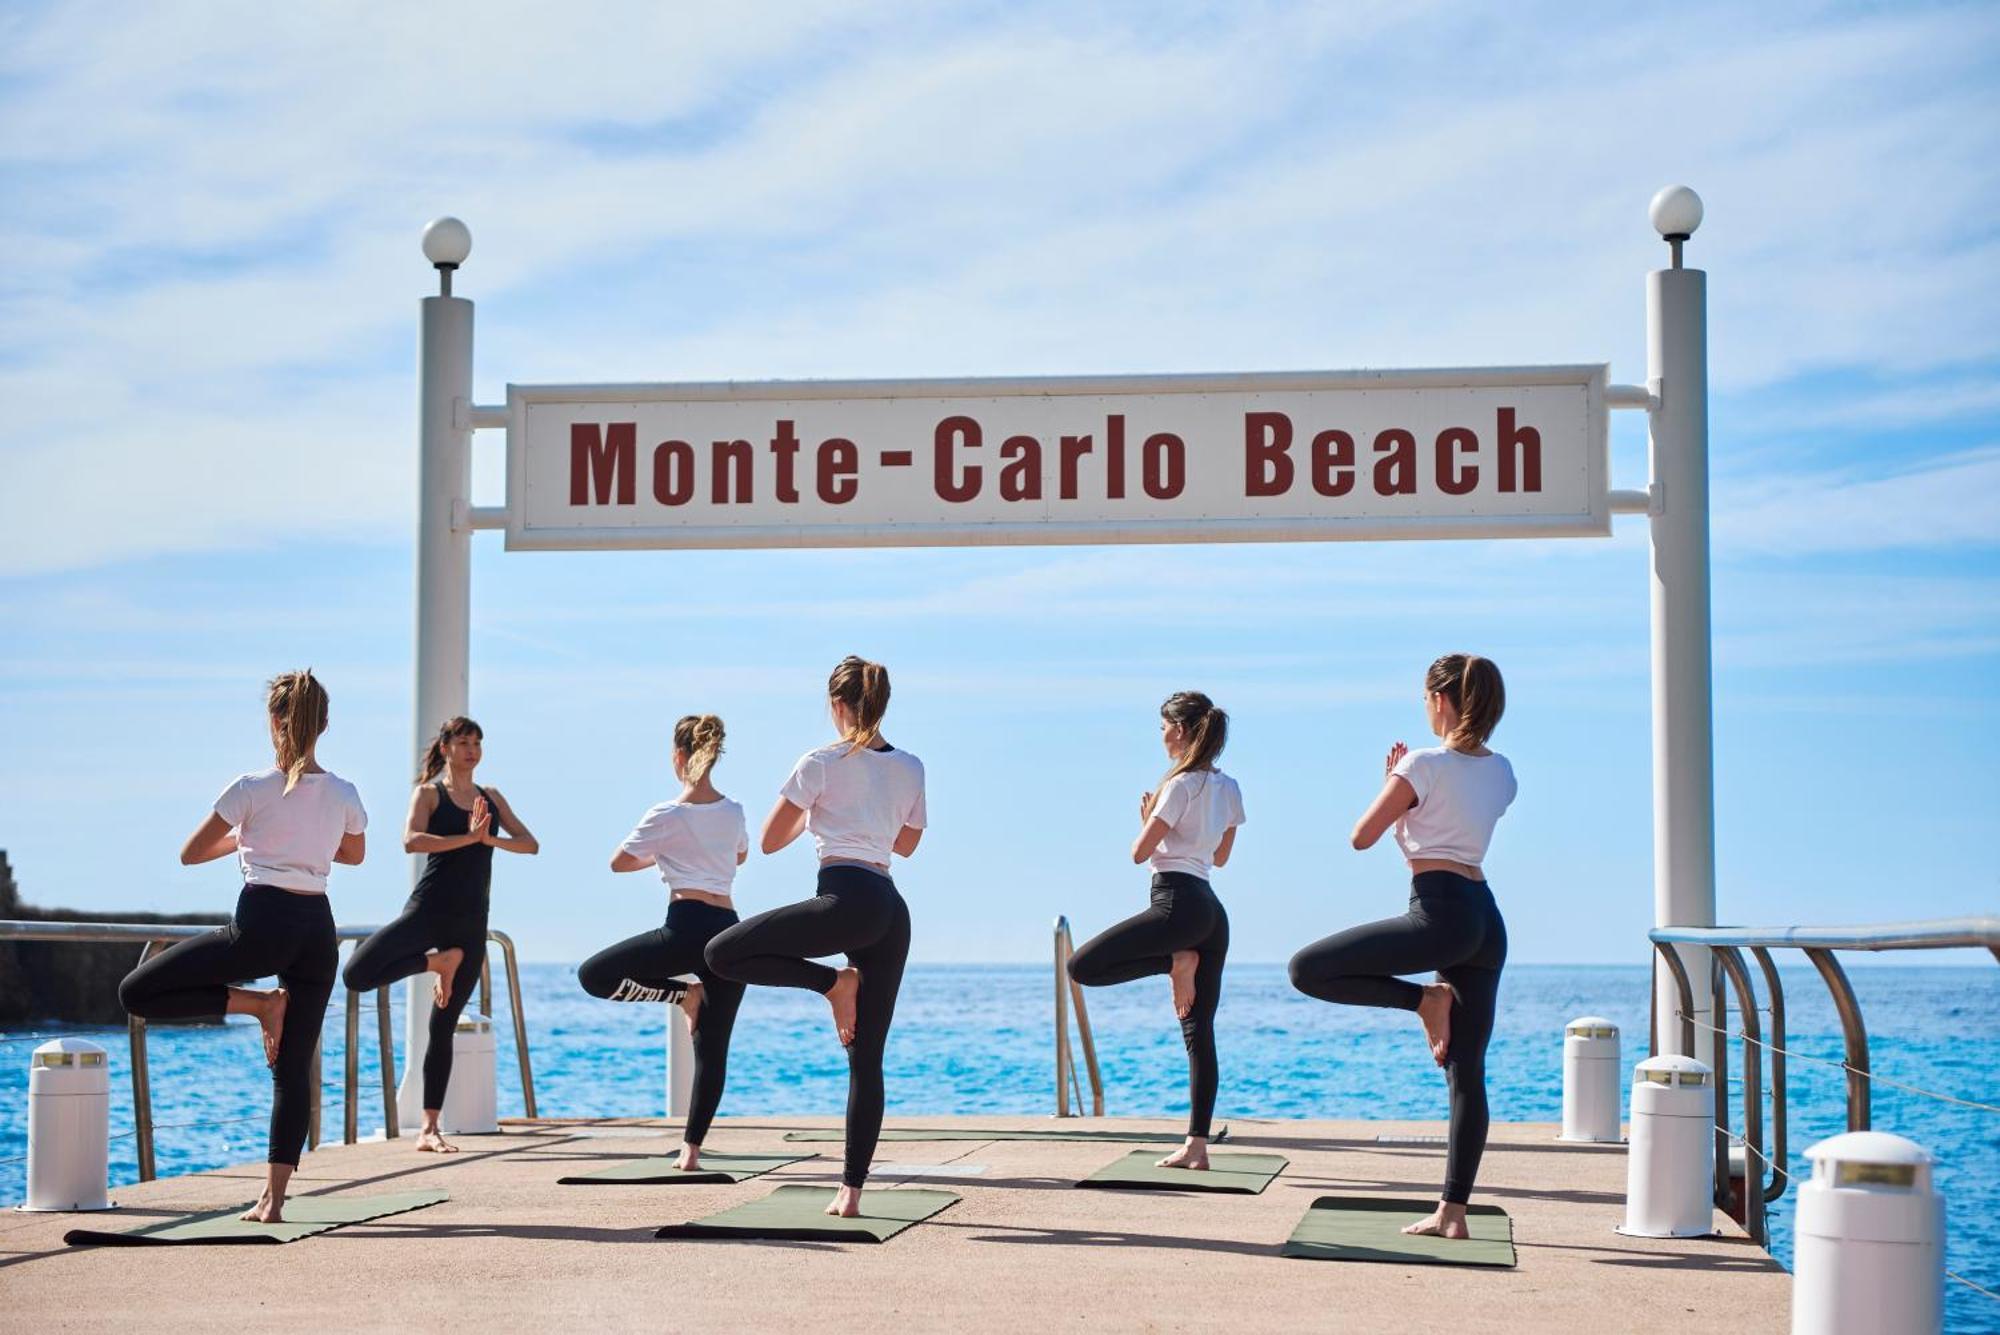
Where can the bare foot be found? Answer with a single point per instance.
(444, 969)
(1181, 973)
(264, 1212)
(1192, 1155)
(430, 1140)
(1435, 1011)
(846, 1202)
(842, 996)
(690, 1004)
(271, 1018)
(690, 1158)
(1447, 1221)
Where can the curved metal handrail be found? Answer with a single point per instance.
(1068, 991)
(1725, 945)
(148, 936)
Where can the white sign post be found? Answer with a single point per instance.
(1270, 457)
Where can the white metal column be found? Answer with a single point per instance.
(1683, 721)
(444, 562)
(680, 1064)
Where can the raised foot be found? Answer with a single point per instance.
(690, 1004)
(431, 1141)
(1447, 1221)
(690, 1158)
(444, 972)
(1435, 1011)
(1192, 1155)
(271, 1019)
(1181, 974)
(264, 1212)
(846, 1203)
(843, 996)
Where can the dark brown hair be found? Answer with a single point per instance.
(433, 762)
(863, 687)
(1207, 731)
(1472, 686)
(700, 736)
(298, 704)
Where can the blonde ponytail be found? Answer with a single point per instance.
(297, 703)
(699, 738)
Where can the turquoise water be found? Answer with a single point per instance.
(973, 1039)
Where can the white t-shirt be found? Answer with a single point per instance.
(1459, 800)
(1199, 806)
(695, 845)
(857, 802)
(289, 839)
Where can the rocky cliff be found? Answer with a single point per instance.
(61, 980)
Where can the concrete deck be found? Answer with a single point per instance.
(511, 1250)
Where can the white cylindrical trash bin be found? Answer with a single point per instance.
(1590, 1081)
(1670, 1171)
(69, 1105)
(1869, 1254)
(471, 1106)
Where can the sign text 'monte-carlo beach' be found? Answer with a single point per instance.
(1512, 452)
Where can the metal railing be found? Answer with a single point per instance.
(1727, 971)
(150, 936)
(1068, 990)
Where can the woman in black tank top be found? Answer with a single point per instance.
(442, 929)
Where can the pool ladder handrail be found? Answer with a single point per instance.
(1725, 946)
(1068, 991)
(149, 936)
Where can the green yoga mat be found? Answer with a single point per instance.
(917, 1133)
(660, 1170)
(304, 1216)
(1237, 1174)
(798, 1214)
(1363, 1228)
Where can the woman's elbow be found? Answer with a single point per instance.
(1362, 839)
(529, 845)
(188, 858)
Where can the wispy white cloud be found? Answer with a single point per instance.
(204, 338)
(1951, 504)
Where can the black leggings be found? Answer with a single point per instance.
(1185, 915)
(1454, 928)
(274, 932)
(644, 968)
(858, 913)
(400, 950)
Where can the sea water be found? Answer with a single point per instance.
(975, 1039)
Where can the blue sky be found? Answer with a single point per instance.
(207, 467)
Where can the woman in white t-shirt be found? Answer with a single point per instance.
(1443, 803)
(1187, 825)
(697, 841)
(287, 825)
(862, 800)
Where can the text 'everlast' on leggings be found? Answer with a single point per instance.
(647, 967)
(273, 932)
(1453, 928)
(1184, 915)
(858, 913)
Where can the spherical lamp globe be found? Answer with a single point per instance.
(1676, 212)
(447, 242)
